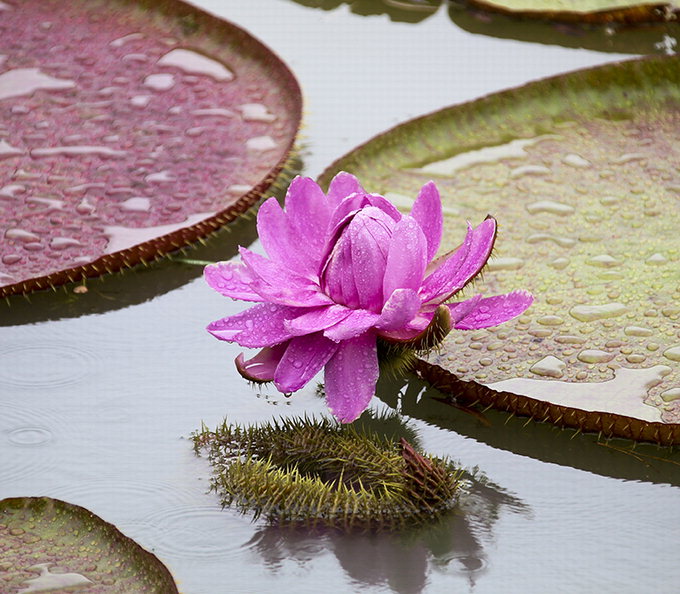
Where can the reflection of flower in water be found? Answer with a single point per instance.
(455, 545)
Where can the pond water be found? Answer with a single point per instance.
(99, 392)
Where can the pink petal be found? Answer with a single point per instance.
(337, 273)
(357, 202)
(281, 241)
(278, 284)
(262, 366)
(342, 185)
(318, 319)
(351, 376)
(399, 311)
(260, 326)
(231, 279)
(369, 234)
(309, 214)
(494, 310)
(303, 359)
(406, 258)
(427, 210)
(358, 321)
(412, 329)
(461, 266)
(462, 308)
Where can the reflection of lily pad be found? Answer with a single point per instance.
(405, 11)
(50, 545)
(593, 11)
(128, 129)
(582, 173)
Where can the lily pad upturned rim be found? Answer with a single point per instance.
(643, 12)
(604, 423)
(39, 505)
(160, 246)
(490, 102)
(630, 72)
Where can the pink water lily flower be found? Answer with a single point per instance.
(344, 270)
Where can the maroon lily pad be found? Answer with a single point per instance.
(127, 130)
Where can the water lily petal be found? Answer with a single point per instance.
(406, 258)
(357, 202)
(309, 214)
(281, 240)
(400, 309)
(427, 210)
(462, 308)
(303, 359)
(318, 319)
(369, 234)
(342, 185)
(461, 266)
(337, 273)
(278, 284)
(260, 326)
(262, 366)
(351, 375)
(232, 279)
(492, 311)
(357, 322)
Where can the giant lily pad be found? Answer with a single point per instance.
(581, 171)
(592, 11)
(128, 129)
(51, 545)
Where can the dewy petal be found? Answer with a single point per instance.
(318, 319)
(278, 284)
(369, 234)
(232, 279)
(356, 323)
(495, 310)
(462, 308)
(351, 375)
(462, 266)
(427, 210)
(262, 366)
(260, 326)
(356, 202)
(353, 270)
(406, 258)
(303, 359)
(342, 185)
(309, 214)
(281, 241)
(399, 311)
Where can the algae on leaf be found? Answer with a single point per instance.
(128, 130)
(50, 545)
(581, 172)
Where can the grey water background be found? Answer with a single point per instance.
(99, 393)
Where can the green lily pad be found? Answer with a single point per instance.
(128, 130)
(581, 171)
(592, 11)
(50, 545)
